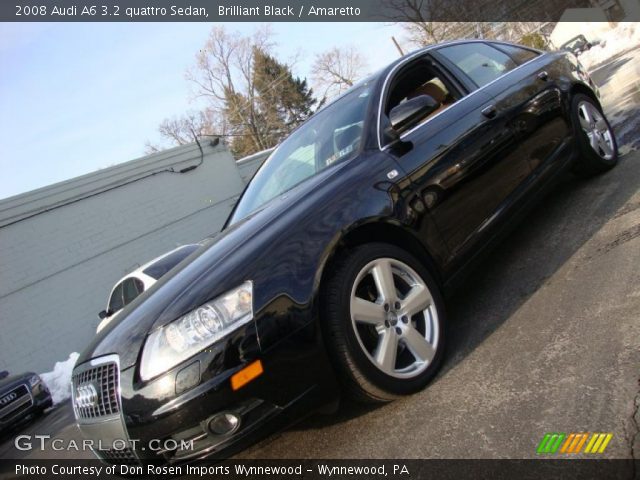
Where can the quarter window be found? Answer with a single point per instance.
(479, 61)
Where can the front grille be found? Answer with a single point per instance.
(104, 379)
(18, 400)
(117, 457)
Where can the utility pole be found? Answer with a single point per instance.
(395, 42)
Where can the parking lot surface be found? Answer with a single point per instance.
(544, 337)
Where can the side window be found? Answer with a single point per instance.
(129, 291)
(420, 78)
(519, 54)
(115, 302)
(481, 62)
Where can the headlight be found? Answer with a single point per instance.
(34, 380)
(186, 336)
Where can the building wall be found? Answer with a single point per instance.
(568, 27)
(63, 247)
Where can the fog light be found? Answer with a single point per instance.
(224, 423)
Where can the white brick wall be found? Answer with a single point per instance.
(63, 247)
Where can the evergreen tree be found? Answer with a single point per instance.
(251, 99)
(275, 104)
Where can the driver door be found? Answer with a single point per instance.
(455, 163)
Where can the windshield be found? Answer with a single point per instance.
(331, 135)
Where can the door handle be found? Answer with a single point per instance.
(543, 75)
(489, 111)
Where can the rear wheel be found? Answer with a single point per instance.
(594, 136)
(384, 317)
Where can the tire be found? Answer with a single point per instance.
(595, 140)
(358, 324)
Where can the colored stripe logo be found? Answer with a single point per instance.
(573, 443)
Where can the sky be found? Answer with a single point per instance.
(77, 97)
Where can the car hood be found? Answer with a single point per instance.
(183, 289)
(12, 381)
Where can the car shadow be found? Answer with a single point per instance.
(603, 74)
(523, 262)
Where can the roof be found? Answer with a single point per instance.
(29, 204)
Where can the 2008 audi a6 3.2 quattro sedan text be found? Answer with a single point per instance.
(330, 273)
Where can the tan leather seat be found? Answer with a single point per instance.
(431, 89)
(435, 92)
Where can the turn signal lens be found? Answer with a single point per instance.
(244, 376)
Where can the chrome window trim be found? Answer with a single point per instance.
(422, 52)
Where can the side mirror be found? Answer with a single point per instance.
(411, 112)
(4, 374)
(103, 314)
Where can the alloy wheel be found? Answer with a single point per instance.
(596, 129)
(394, 318)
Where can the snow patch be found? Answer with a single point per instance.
(624, 36)
(59, 379)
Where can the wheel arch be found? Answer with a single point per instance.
(380, 232)
(578, 87)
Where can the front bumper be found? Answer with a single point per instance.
(29, 401)
(156, 424)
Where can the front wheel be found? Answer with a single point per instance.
(384, 316)
(594, 136)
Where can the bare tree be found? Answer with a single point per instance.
(222, 80)
(223, 75)
(515, 31)
(425, 21)
(184, 129)
(336, 70)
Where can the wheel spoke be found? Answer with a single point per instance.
(386, 351)
(418, 345)
(593, 141)
(366, 312)
(585, 118)
(416, 300)
(383, 278)
(606, 148)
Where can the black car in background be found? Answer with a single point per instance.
(21, 396)
(577, 45)
(331, 272)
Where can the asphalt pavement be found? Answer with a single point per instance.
(544, 337)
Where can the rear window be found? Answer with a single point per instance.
(519, 54)
(162, 266)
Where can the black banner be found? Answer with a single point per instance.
(328, 469)
(313, 10)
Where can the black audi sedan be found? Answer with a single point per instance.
(22, 396)
(330, 274)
